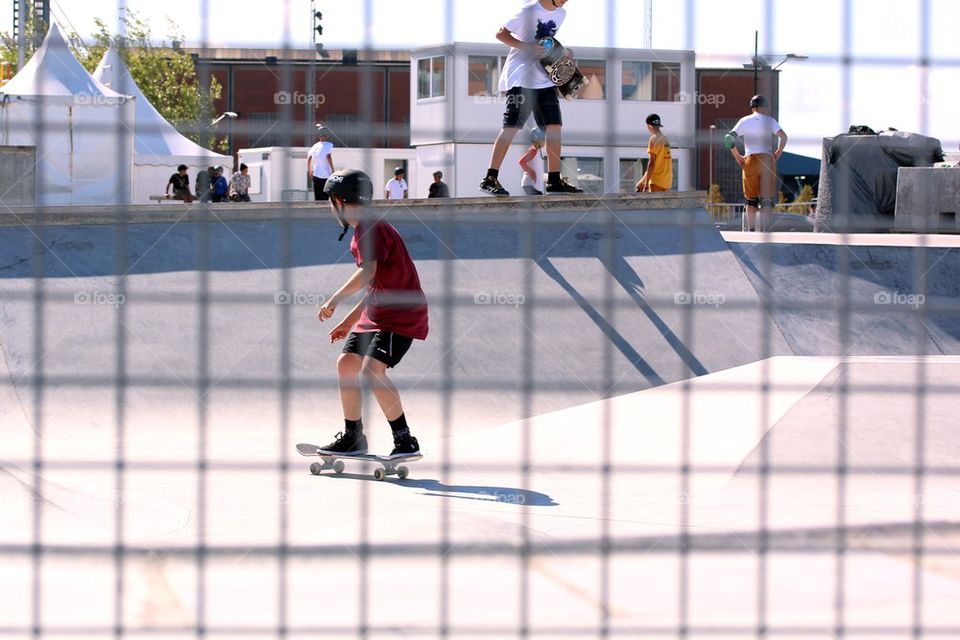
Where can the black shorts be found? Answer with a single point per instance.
(318, 193)
(385, 346)
(543, 103)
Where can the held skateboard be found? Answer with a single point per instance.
(561, 68)
(388, 466)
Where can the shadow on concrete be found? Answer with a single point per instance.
(483, 493)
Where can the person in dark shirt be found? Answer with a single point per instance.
(204, 182)
(180, 182)
(438, 189)
(220, 187)
(380, 328)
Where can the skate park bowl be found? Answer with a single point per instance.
(633, 424)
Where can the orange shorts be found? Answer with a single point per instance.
(759, 176)
(655, 188)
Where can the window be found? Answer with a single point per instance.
(483, 74)
(631, 170)
(265, 130)
(666, 82)
(586, 173)
(635, 80)
(431, 79)
(596, 72)
(650, 81)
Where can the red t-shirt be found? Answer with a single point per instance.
(395, 300)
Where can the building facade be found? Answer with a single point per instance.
(456, 112)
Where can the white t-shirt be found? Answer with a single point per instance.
(319, 152)
(757, 130)
(395, 188)
(522, 69)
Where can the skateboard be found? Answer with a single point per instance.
(388, 467)
(561, 68)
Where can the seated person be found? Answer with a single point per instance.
(204, 180)
(220, 188)
(240, 185)
(180, 182)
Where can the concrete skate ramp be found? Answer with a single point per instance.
(545, 311)
(858, 294)
(873, 416)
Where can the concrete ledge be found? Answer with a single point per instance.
(928, 199)
(851, 239)
(255, 211)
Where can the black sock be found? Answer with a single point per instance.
(399, 426)
(493, 173)
(353, 426)
(553, 177)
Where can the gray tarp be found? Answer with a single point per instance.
(858, 177)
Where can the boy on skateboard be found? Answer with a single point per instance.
(528, 90)
(381, 327)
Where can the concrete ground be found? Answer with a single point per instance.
(619, 437)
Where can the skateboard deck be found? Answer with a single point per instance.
(388, 466)
(561, 68)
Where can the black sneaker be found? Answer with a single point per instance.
(532, 191)
(347, 444)
(562, 187)
(404, 446)
(493, 187)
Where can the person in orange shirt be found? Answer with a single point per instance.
(659, 173)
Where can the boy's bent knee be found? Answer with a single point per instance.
(349, 364)
(372, 368)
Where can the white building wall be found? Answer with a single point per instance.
(280, 173)
(612, 128)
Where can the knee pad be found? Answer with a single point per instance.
(766, 203)
(753, 202)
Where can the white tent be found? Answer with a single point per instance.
(158, 146)
(81, 130)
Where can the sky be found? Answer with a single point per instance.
(885, 84)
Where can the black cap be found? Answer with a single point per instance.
(759, 101)
(654, 120)
(438, 174)
(398, 171)
(350, 185)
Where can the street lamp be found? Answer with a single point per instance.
(225, 114)
(713, 130)
(791, 56)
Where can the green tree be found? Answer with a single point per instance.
(34, 30)
(164, 72)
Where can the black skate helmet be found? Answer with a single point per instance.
(759, 102)
(347, 186)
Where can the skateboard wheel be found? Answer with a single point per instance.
(315, 468)
(379, 474)
(402, 472)
(338, 466)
